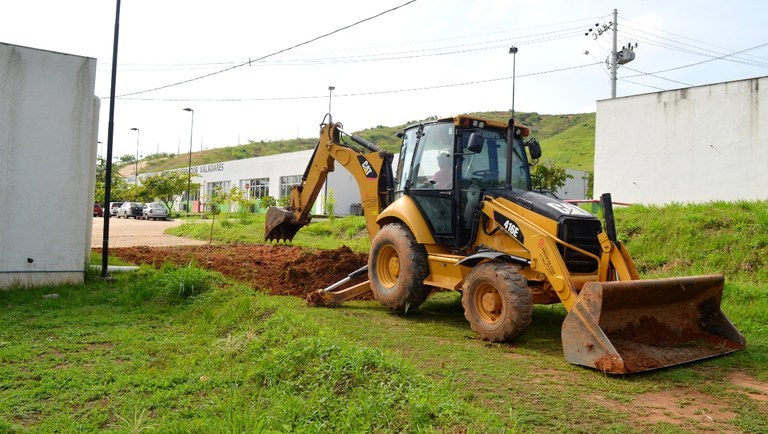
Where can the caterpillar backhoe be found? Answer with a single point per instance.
(477, 227)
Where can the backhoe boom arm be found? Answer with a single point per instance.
(372, 171)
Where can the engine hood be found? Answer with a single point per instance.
(546, 206)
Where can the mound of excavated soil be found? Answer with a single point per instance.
(277, 269)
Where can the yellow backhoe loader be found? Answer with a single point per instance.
(460, 215)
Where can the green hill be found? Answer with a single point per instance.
(568, 140)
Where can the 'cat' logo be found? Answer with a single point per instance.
(367, 168)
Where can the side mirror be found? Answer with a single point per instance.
(475, 143)
(534, 148)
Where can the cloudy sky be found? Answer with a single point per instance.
(260, 70)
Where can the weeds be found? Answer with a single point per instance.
(135, 423)
(187, 281)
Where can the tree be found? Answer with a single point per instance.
(330, 205)
(127, 158)
(548, 176)
(119, 186)
(590, 178)
(267, 201)
(165, 186)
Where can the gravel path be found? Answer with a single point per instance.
(132, 233)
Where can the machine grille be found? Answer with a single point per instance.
(582, 234)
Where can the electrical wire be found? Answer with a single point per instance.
(209, 65)
(340, 29)
(695, 50)
(383, 92)
(641, 84)
(700, 63)
(654, 75)
(411, 54)
(683, 37)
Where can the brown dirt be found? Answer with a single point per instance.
(277, 269)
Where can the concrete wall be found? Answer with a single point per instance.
(48, 122)
(575, 187)
(689, 145)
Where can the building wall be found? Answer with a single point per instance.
(696, 144)
(575, 187)
(48, 123)
(340, 181)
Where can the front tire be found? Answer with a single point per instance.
(497, 301)
(397, 267)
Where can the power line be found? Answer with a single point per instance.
(685, 37)
(655, 76)
(383, 92)
(702, 62)
(274, 53)
(506, 41)
(641, 84)
(403, 55)
(693, 50)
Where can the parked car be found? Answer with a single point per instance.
(153, 211)
(129, 209)
(98, 211)
(113, 206)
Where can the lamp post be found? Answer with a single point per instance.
(330, 96)
(189, 168)
(513, 52)
(136, 163)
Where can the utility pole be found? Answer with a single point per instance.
(626, 55)
(513, 52)
(614, 55)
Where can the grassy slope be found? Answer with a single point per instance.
(566, 139)
(720, 237)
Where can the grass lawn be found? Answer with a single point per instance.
(182, 350)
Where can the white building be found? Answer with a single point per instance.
(48, 140)
(275, 175)
(696, 144)
(271, 175)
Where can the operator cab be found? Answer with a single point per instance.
(447, 164)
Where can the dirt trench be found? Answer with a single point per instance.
(276, 269)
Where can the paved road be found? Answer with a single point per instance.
(130, 233)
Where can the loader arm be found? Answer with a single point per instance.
(544, 255)
(370, 166)
(616, 322)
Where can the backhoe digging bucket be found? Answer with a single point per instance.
(641, 325)
(280, 224)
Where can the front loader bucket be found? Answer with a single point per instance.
(640, 325)
(280, 224)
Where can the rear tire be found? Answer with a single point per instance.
(497, 301)
(397, 267)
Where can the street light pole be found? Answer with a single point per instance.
(330, 97)
(513, 52)
(189, 168)
(136, 163)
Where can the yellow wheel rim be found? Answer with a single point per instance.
(388, 266)
(488, 303)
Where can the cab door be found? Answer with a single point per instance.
(427, 169)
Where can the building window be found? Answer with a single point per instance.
(213, 188)
(255, 188)
(287, 182)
